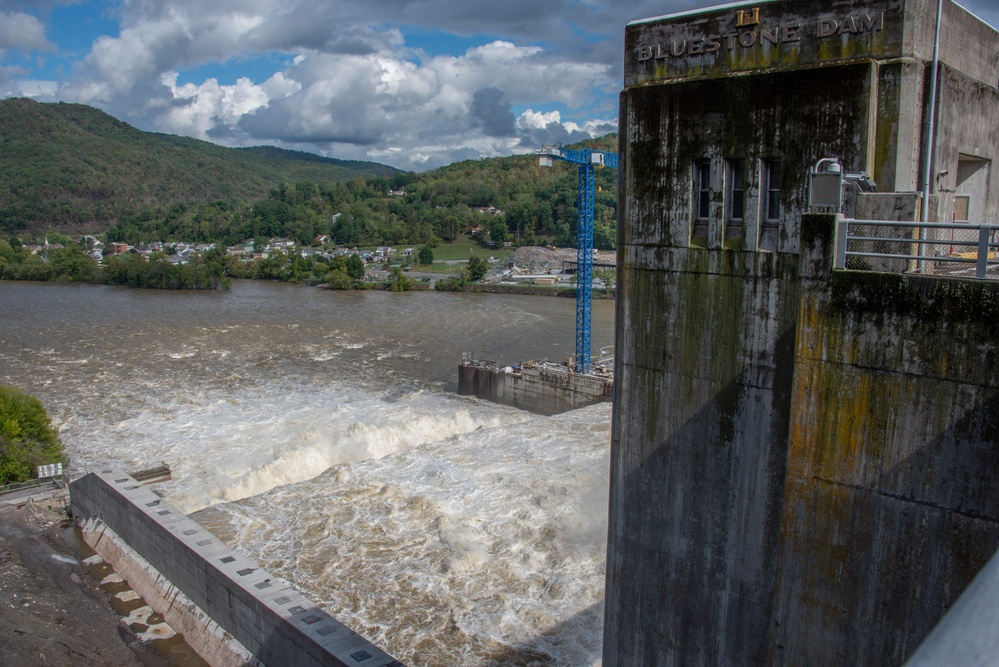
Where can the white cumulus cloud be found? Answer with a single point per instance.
(338, 78)
(22, 31)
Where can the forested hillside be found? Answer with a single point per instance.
(72, 168)
(504, 199)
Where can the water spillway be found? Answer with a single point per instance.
(204, 588)
(320, 435)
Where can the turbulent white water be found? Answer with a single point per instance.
(483, 548)
(318, 433)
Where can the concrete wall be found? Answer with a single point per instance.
(967, 126)
(712, 43)
(891, 501)
(803, 461)
(537, 389)
(275, 623)
(704, 367)
(813, 116)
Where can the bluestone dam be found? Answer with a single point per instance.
(804, 451)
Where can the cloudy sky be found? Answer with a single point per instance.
(411, 83)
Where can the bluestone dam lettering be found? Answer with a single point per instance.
(821, 29)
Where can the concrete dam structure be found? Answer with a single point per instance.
(804, 459)
(540, 387)
(204, 589)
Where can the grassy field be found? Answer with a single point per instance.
(463, 247)
(445, 253)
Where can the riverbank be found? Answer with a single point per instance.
(51, 611)
(497, 288)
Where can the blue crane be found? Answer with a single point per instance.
(586, 159)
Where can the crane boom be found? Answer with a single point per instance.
(587, 159)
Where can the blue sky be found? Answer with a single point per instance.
(411, 83)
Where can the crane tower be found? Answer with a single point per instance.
(587, 160)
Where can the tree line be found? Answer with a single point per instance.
(508, 199)
(73, 263)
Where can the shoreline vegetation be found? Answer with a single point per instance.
(27, 438)
(215, 268)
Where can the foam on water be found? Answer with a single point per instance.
(254, 439)
(317, 431)
(501, 532)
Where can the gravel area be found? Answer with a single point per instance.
(541, 259)
(51, 611)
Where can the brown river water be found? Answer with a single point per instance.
(320, 434)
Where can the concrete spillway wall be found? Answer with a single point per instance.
(542, 389)
(891, 503)
(700, 438)
(277, 625)
(804, 461)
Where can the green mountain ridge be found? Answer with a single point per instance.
(75, 168)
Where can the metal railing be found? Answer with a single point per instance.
(30, 484)
(932, 248)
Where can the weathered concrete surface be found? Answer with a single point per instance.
(794, 115)
(276, 624)
(539, 389)
(201, 633)
(967, 127)
(712, 42)
(697, 455)
(890, 504)
(804, 462)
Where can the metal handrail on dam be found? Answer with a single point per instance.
(938, 248)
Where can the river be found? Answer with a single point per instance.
(320, 434)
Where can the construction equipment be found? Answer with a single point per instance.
(587, 160)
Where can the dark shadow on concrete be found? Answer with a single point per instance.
(704, 593)
(891, 554)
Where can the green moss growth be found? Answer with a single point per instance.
(817, 227)
(924, 298)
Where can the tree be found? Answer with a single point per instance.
(72, 264)
(456, 283)
(398, 282)
(425, 256)
(477, 268)
(355, 267)
(607, 277)
(27, 437)
(338, 279)
(498, 230)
